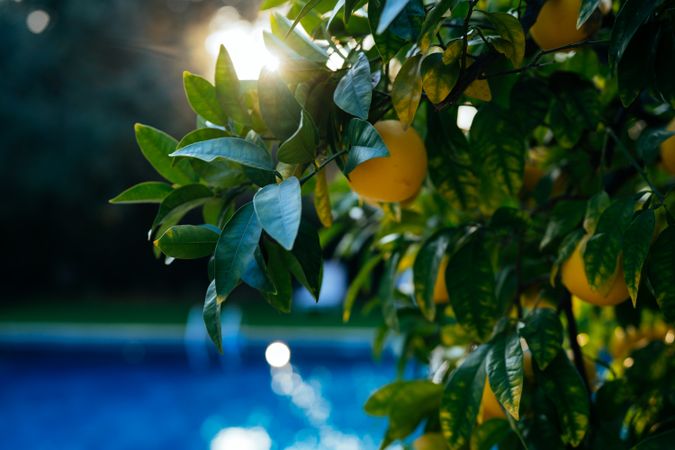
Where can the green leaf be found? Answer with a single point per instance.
(268, 4)
(638, 57)
(505, 371)
(453, 51)
(255, 274)
(462, 397)
(407, 89)
(279, 208)
(392, 8)
(188, 241)
(203, 98)
(594, 208)
(148, 192)
(490, 434)
(529, 103)
(386, 291)
(211, 316)
(356, 285)
(660, 270)
(575, 109)
(543, 333)
(438, 79)
(501, 148)
(322, 200)
(306, 263)
(425, 271)
(511, 42)
(228, 90)
(296, 40)
(471, 286)
(306, 9)
(301, 147)
(649, 142)
(636, 240)
(565, 250)
(434, 17)
(413, 401)
(231, 149)
(280, 276)
(201, 134)
(349, 8)
(235, 249)
(586, 10)
(180, 201)
(278, 107)
(156, 146)
(603, 249)
(658, 441)
(566, 216)
(387, 43)
(563, 385)
(354, 91)
(631, 16)
(451, 169)
(381, 401)
(366, 143)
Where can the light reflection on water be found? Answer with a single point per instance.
(306, 396)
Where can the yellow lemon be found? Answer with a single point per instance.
(556, 24)
(490, 405)
(575, 280)
(440, 291)
(395, 178)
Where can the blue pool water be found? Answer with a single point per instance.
(140, 398)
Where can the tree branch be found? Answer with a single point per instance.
(472, 73)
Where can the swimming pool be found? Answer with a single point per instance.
(151, 397)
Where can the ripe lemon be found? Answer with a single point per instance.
(440, 291)
(668, 150)
(556, 24)
(490, 405)
(395, 178)
(575, 280)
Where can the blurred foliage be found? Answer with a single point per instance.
(67, 99)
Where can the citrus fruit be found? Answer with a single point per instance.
(440, 291)
(490, 405)
(556, 24)
(575, 280)
(397, 177)
(668, 150)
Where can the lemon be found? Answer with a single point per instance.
(440, 291)
(556, 24)
(575, 280)
(399, 176)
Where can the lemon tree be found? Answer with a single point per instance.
(514, 159)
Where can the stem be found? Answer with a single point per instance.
(572, 332)
(328, 160)
(634, 163)
(465, 36)
(541, 53)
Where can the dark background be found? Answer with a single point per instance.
(69, 97)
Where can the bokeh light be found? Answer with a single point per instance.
(277, 354)
(255, 438)
(465, 115)
(243, 41)
(37, 21)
